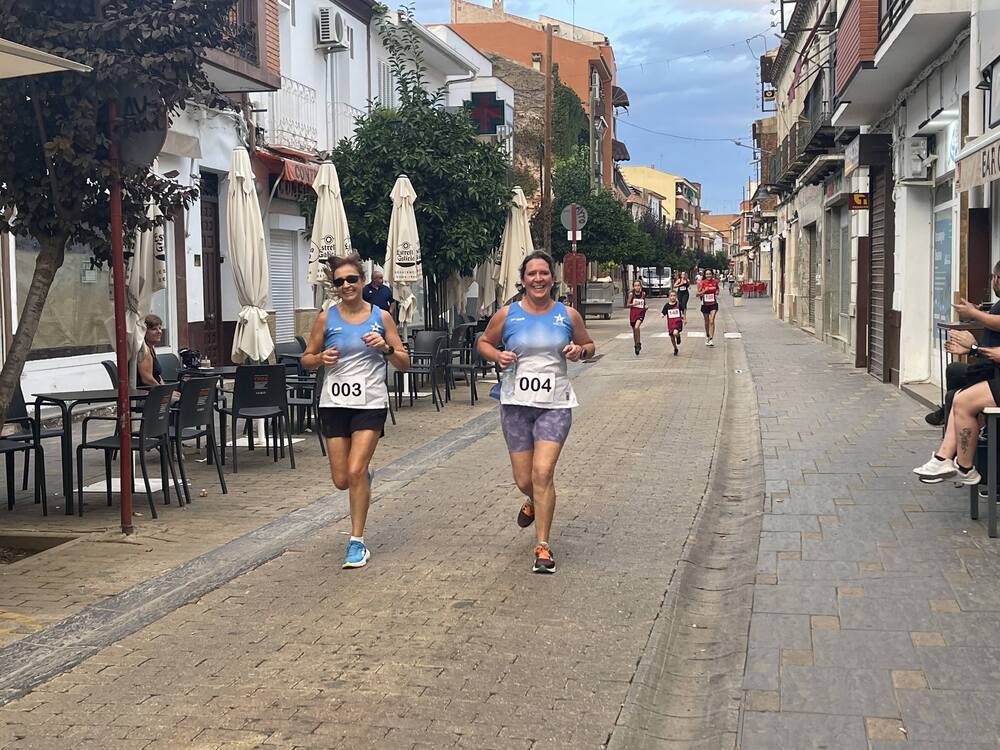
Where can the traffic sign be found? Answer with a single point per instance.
(567, 217)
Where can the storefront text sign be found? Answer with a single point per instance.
(857, 201)
(980, 167)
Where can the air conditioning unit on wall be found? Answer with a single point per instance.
(912, 159)
(331, 34)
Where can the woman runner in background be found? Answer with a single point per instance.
(536, 397)
(708, 291)
(681, 286)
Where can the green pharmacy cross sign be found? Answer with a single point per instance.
(487, 112)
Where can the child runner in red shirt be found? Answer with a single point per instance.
(673, 314)
(636, 313)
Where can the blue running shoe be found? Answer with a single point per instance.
(371, 476)
(357, 555)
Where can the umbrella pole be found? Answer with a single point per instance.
(121, 343)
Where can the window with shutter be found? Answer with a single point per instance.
(281, 267)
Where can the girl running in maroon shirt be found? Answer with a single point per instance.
(674, 316)
(636, 313)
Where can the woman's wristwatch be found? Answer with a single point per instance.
(974, 349)
(390, 351)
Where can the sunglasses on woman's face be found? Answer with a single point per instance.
(352, 279)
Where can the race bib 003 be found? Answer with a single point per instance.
(709, 299)
(534, 387)
(348, 391)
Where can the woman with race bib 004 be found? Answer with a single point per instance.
(353, 341)
(538, 336)
(708, 291)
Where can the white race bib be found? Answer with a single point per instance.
(674, 313)
(637, 302)
(534, 387)
(709, 299)
(348, 391)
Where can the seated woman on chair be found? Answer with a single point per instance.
(148, 370)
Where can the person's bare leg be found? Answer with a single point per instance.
(711, 323)
(520, 464)
(966, 408)
(337, 451)
(543, 470)
(636, 335)
(363, 444)
(949, 443)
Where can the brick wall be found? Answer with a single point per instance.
(272, 37)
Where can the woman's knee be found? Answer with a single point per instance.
(340, 479)
(356, 474)
(542, 476)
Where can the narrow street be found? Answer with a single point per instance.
(446, 639)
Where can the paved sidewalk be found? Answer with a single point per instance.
(877, 599)
(446, 639)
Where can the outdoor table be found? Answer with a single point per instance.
(67, 401)
(227, 371)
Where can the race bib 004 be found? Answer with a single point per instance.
(709, 299)
(534, 387)
(348, 391)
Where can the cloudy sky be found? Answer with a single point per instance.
(672, 88)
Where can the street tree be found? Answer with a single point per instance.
(460, 180)
(55, 166)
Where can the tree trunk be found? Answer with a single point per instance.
(50, 259)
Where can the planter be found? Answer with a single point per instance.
(737, 301)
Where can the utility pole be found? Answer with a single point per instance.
(547, 162)
(591, 106)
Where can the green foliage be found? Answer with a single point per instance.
(460, 181)
(570, 127)
(55, 166)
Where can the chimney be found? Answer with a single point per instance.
(536, 61)
(498, 6)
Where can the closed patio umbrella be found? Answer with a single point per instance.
(330, 235)
(17, 60)
(146, 274)
(486, 281)
(402, 249)
(245, 231)
(514, 247)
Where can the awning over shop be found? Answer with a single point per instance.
(619, 98)
(619, 151)
(979, 162)
(292, 166)
(17, 60)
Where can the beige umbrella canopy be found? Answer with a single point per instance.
(486, 281)
(402, 250)
(330, 235)
(514, 247)
(145, 275)
(248, 262)
(17, 60)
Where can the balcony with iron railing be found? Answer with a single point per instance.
(343, 121)
(240, 64)
(292, 116)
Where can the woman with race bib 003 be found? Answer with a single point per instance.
(708, 291)
(536, 397)
(353, 341)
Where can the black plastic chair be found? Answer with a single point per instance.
(193, 419)
(467, 362)
(112, 369)
(259, 392)
(28, 438)
(170, 367)
(426, 362)
(17, 414)
(153, 432)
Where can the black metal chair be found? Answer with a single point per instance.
(112, 369)
(153, 433)
(193, 419)
(26, 439)
(259, 392)
(426, 362)
(17, 414)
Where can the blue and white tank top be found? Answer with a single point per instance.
(358, 380)
(539, 377)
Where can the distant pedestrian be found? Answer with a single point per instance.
(353, 341)
(636, 304)
(377, 293)
(708, 291)
(537, 399)
(675, 320)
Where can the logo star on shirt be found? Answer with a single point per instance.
(560, 319)
(376, 328)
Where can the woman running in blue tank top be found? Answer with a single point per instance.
(353, 341)
(536, 397)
